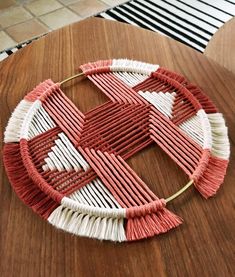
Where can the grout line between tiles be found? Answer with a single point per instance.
(38, 19)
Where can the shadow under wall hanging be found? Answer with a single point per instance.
(71, 167)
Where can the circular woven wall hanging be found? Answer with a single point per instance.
(70, 167)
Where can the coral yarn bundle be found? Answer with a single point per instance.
(71, 167)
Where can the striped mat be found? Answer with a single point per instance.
(192, 22)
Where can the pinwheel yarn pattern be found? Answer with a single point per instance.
(71, 167)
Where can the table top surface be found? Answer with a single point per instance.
(221, 46)
(201, 246)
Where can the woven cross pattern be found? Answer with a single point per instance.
(71, 167)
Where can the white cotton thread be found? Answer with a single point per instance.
(32, 122)
(62, 147)
(13, 129)
(58, 165)
(43, 114)
(206, 129)
(91, 210)
(133, 66)
(45, 167)
(40, 123)
(28, 118)
(96, 194)
(75, 153)
(161, 101)
(106, 193)
(220, 140)
(64, 156)
(49, 164)
(93, 226)
(193, 128)
(131, 79)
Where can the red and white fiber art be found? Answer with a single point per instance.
(71, 168)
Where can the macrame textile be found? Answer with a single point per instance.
(71, 167)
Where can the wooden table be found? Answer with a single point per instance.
(202, 246)
(221, 46)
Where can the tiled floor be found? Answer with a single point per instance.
(21, 20)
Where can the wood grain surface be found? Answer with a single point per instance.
(221, 48)
(202, 246)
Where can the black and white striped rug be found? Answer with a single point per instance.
(192, 22)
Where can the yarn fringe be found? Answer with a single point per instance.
(13, 129)
(24, 187)
(75, 222)
(219, 131)
(101, 66)
(151, 224)
(173, 75)
(39, 90)
(212, 178)
(125, 65)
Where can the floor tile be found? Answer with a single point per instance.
(88, 7)
(13, 16)
(26, 30)
(113, 3)
(5, 41)
(59, 18)
(24, 1)
(68, 2)
(40, 7)
(6, 4)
